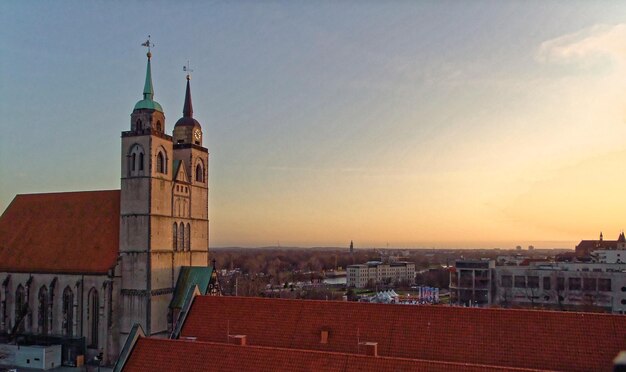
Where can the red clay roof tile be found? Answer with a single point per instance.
(151, 354)
(499, 337)
(70, 232)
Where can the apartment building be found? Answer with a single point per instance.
(375, 272)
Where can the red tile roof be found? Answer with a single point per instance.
(71, 232)
(151, 354)
(498, 337)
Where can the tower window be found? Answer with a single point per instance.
(158, 126)
(160, 163)
(188, 246)
(138, 125)
(181, 232)
(136, 160)
(175, 236)
(199, 173)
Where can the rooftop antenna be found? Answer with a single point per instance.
(188, 70)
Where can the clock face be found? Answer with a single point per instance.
(197, 134)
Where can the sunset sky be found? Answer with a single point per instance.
(417, 124)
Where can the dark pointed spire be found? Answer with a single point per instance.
(188, 107)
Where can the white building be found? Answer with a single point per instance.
(609, 256)
(563, 286)
(373, 272)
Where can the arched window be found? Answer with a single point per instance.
(160, 163)
(158, 126)
(138, 125)
(68, 312)
(21, 307)
(175, 236)
(93, 318)
(181, 233)
(199, 173)
(188, 233)
(42, 311)
(136, 160)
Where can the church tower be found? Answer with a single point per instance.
(164, 210)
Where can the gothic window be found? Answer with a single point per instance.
(68, 312)
(160, 163)
(136, 160)
(188, 233)
(93, 318)
(158, 126)
(42, 311)
(175, 236)
(181, 233)
(199, 173)
(21, 307)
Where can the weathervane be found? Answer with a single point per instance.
(148, 44)
(188, 70)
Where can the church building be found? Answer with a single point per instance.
(81, 268)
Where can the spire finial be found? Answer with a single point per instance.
(148, 44)
(148, 90)
(188, 70)
(188, 107)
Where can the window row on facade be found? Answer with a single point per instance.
(18, 318)
(136, 163)
(558, 283)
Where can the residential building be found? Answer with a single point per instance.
(377, 272)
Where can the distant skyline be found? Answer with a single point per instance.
(420, 124)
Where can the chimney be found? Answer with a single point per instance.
(371, 348)
(324, 337)
(238, 339)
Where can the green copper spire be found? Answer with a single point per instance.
(148, 92)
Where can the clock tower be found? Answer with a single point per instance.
(164, 222)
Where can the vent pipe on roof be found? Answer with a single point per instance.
(371, 348)
(237, 339)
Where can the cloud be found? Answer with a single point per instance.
(587, 47)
